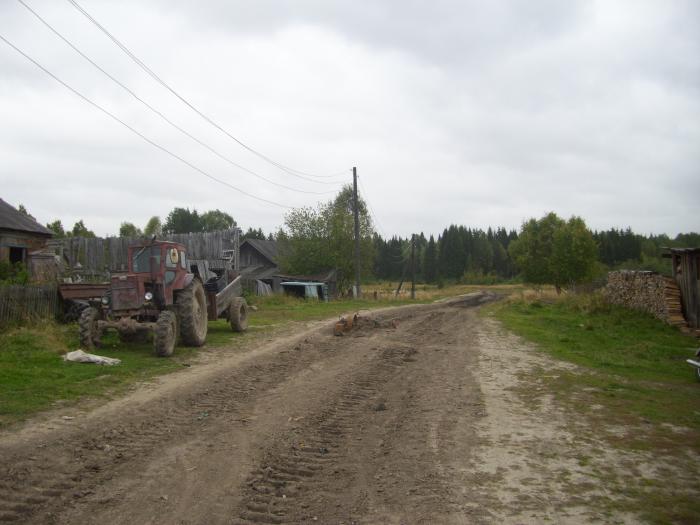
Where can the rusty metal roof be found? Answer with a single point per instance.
(15, 220)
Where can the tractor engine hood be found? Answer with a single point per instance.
(127, 292)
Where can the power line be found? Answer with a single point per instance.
(297, 173)
(127, 126)
(371, 208)
(161, 115)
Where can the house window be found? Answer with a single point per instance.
(17, 255)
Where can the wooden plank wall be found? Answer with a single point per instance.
(98, 256)
(689, 285)
(25, 303)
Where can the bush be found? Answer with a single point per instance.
(13, 273)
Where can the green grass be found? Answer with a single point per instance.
(630, 362)
(33, 376)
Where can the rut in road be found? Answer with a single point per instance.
(376, 452)
(283, 477)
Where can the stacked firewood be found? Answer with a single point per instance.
(674, 310)
(646, 291)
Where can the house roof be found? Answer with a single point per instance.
(325, 277)
(680, 251)
(13, 219)
(267, 249)
(259, 272)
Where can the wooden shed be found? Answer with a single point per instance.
(23, 240)
(258, 252)
(686, 272)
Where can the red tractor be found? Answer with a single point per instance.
(161, 293)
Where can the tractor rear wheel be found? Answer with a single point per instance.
(192, 312)
(88, 328)
(165, 334)
(238, 314)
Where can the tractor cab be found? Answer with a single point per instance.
(155, 271)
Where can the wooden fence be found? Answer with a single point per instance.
(22, 303)
(96, 256)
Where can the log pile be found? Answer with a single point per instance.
(646, 291)
(674, 310)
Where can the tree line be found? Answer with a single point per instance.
(548, 250)
(460, 254)
(179, 220)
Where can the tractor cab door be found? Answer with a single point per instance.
(176, 274)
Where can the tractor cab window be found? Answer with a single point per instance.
(172, 257)
(141, 258)
(183, 260)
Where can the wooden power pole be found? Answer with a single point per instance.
(413, 266)
(356, 210)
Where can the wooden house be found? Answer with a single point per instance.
(23, 240)
(686, 272)
(259, 265)
(262, 276)
(258, 253)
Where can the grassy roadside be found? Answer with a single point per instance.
(33, 377)
(631, 362)
(631, 388)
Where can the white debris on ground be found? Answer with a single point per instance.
(78, 356)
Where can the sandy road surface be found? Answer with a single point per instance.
(389, 424)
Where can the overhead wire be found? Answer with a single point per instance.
(297, 173)
(136, 132)
(371, 208)
(161, 115)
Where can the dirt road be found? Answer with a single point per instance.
(388, 424)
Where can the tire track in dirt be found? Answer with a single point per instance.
(278, 486)
(415, 474)
(60, 472)
(379, 440)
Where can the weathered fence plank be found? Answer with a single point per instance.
(98, 256)
(21, 303)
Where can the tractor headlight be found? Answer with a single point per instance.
(148, 296)
(105, 300)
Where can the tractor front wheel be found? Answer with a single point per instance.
(238, 314)
(88, 328)
(192, 312)
(165, 334)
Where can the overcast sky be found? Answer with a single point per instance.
(474, 113)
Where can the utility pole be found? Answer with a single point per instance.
(413, 266)
(356, 210)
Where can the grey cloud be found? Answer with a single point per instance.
(466, 112)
